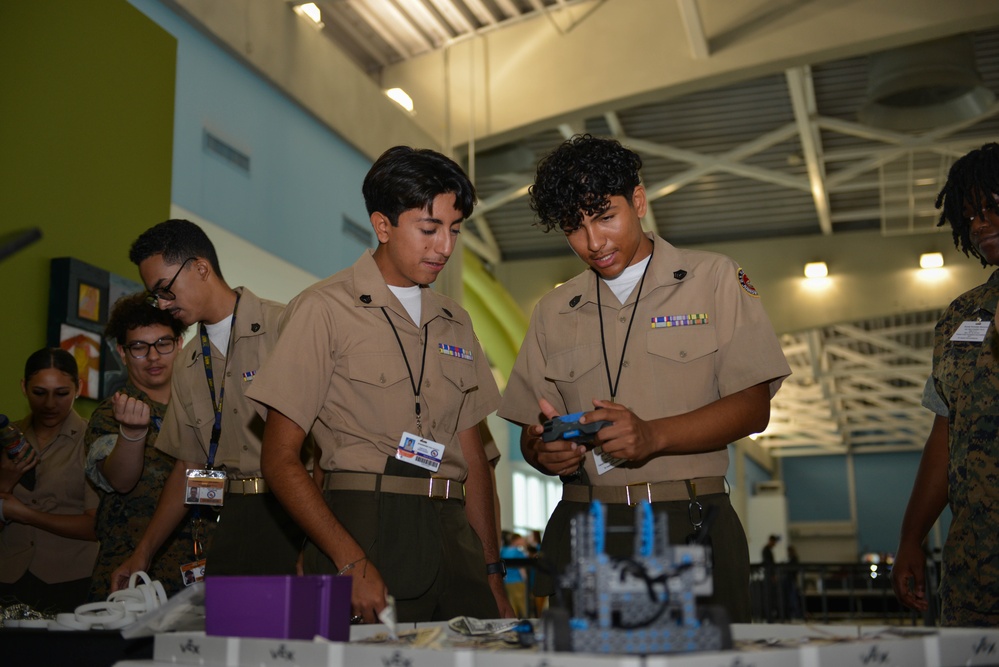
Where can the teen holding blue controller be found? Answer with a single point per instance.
(671, 347)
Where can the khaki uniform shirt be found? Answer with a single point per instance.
(187, 426)
(61, 487)
(338, 371)
(719, 342)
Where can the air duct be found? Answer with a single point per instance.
(925, 86)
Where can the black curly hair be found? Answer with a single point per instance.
(579, 177)
(971, 184)
(132, 311)
(404, 178)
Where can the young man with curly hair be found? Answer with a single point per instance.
(960, 462)
(122, 460)
(670, 346)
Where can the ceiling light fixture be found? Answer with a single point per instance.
(310, 11)
(931, 260)
(816, 270)
(400, 97)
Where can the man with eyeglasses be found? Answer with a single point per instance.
(121, 458)
(210, 426)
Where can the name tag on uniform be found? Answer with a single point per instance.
(971, 332)
(204, 487)
(420, 452)
(604, 462)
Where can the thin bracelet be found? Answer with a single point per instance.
(121, 432)
(350, 566)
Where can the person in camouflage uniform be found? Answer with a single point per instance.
(960, 461)
(121, 459)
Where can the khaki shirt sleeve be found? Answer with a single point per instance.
(176, 436)
(748, 349)
(295, 379)
(527, 380)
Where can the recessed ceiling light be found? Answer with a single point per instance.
(311, 12)
(816, 270)
(931, 260)
(400, 97)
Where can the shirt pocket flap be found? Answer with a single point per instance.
(570, 365)
(683, 345)
(460, 372)
(380, 370)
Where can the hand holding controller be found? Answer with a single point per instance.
(567, 427)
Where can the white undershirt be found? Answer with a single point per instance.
(623, 285)
(411, 300)
(219, 332)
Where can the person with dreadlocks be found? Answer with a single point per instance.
(960, 461)
(671, 346)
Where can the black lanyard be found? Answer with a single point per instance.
(206, 356)
(417, 385)
(603, 343)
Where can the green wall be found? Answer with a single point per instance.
(86, 135)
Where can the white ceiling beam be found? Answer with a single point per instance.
(717, 163)
(502, 198)
(690, 16)
(567, 130)
(614, 124)
(425, 21)
(508, 8)
(481, 12)
(480, 248)
(741, 152)
(383, 31)
(486, 234)
(799, 84)
(453, 16)
(331, 18)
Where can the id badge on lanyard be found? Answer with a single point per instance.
(204, 487)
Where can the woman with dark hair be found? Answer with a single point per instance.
(47, 540)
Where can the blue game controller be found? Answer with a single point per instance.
(567, 427)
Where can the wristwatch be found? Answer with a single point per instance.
(499, 567)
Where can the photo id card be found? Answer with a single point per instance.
(603, 461)
(204, 487)
(420, 452)
(193, 572)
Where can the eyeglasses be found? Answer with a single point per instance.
(164, 292)
(139, 349)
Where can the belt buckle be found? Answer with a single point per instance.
(628, 496)
(447, 488)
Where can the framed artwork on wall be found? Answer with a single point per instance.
(81, 297)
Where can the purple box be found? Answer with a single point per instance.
(278, 607)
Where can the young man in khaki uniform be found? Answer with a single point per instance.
(671, 346)
(210, 423)
(390, 378)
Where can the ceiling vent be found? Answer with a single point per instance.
(925, 86)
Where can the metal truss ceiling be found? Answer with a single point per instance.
(777, 156)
